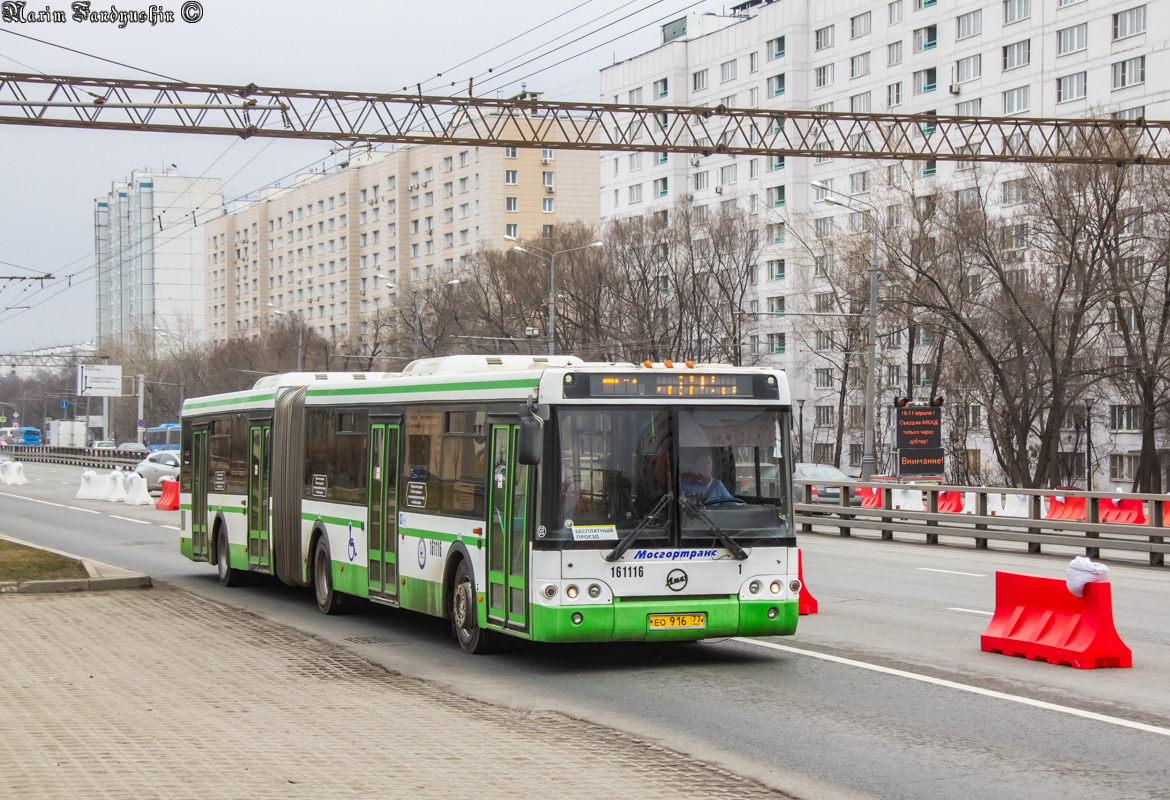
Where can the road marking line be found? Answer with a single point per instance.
(962, 687)
(171, 528)
(972, 611)
(32, 499)
(86, 510)
(42, 480)
(952, 572)
(130, 519)
(66, 483)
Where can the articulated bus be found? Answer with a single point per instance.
(538, 497)
(163, 437)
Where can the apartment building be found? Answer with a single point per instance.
(148, 252)
(413, 215)
(1048, 58)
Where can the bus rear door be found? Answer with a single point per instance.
(259, 492)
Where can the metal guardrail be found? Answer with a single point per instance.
(96, 457)
(1034, 528)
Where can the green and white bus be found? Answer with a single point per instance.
(538, 497)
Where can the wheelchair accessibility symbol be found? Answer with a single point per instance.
(352, 546)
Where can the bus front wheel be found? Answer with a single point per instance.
(472, 638)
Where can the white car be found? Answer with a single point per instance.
(156, 466)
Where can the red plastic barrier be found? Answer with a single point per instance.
(169, 500)
(871, 497)
(1040, 619)
(950, 502)
(1128, 511)
(807, 603)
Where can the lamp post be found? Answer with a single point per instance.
(551, 258)
(800, 448)
(414, 303)
(867, 461)
(300, 337)
(182, 382)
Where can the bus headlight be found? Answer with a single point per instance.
(570, 591)
(594, 590)
(754, 587)
(775, 587)
(550, 591)
(795, 585)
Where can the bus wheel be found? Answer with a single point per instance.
(328, 601)
(472, 638)
(227, 576)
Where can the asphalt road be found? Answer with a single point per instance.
(908, 707)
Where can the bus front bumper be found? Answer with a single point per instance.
(629, 620)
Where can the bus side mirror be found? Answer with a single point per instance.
(530, 444)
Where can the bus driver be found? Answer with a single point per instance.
(697, 480)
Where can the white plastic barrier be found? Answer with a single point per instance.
(994, 504)
(115, 487)
(136, 492)
(4, 471)
(1015, 505)
(93, 487)
(970, 502)
(907, 499)
(14, 475)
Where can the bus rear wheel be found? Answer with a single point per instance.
(472, 638)
(223, 564)
(328, 601)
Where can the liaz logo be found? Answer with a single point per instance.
(676, 580)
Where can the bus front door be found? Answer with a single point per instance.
(199, 548)
(383, 511)
(259, 491)
(507, 545)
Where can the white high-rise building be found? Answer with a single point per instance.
(148, 248)
(1041, 58)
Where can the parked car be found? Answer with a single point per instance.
(102, 444)
(828, 492)
(132, 447)
(158, 465)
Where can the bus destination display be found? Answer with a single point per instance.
(678, 384)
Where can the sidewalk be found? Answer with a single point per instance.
(163, 694)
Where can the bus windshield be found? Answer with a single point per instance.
(690, 476)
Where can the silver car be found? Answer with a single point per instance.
(156, 466)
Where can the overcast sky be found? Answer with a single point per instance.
(49, 177)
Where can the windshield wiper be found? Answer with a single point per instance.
(695, 510)
(624, 544)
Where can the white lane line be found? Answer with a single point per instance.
(130, 519)
(972, 611)
(963, 687)
(32, 499)
(42, 480)
(952, 572)
(66, 483)
(171, 528)
(86, 510)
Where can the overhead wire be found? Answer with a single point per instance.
(90, 55)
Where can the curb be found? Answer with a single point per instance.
(102, 577)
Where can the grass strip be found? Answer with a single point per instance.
(20, 563)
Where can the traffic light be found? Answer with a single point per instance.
(936, 401)
(901, 402)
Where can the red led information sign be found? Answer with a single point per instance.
(919, 427)
(921, 461)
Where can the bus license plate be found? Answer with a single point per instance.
(678, 622)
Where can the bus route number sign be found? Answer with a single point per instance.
(416, 494)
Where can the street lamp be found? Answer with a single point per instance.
(867, 462)
(300, 337)
(415, 305)
(551, 258)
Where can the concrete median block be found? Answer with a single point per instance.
(128, 582)
(50, 587)
(9, 587)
